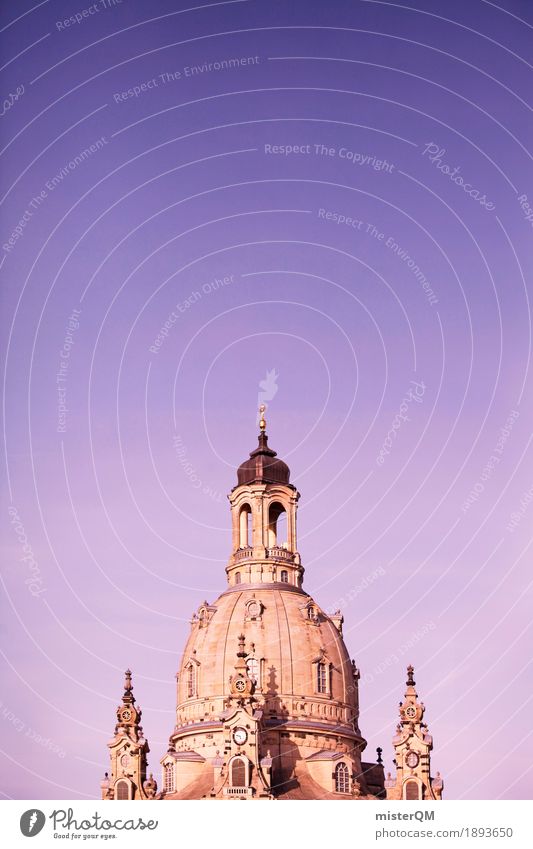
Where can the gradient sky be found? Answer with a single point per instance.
(400, 341)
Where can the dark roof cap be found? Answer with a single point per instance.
(263, 466)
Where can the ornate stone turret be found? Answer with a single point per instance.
(128, 750)
(242, 686)
(412, 745)
(263, 511)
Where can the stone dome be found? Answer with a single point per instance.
(286, 636)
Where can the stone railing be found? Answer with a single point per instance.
(280, 553)
(238, 791)
(243, 553)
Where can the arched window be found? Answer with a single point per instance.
(245, 526)
(311, 612)
(122, 791)
(284, 576)
(238, 773)
(321, 678)
(168, 775)
(252, 667)
(191, 681)
(277, 525)
(237, 577)
(342, 778)
(411, 790)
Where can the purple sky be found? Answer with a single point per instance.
(359, 184)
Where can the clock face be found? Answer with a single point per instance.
(126, 715)
(240, 685)
(240, 735)
(411, 759)
(124, 761)
(410, 711)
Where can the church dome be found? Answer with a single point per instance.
(265, 680)
(294, 653)
(267, 695)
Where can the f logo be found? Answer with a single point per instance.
(32, 822)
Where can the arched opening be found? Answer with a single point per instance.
(191, 681)
(277, 526)
(342, 778)
(245, 526)
(411, 790)
(237, 577)
(284, 577)
(168, 778)
(321, 678)
(122, 791)
(238, 773)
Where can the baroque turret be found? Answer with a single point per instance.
(412, 747)
(128, 750)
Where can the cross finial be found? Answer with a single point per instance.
(262, 421)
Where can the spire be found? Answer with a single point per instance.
(128, 697)
(128, 714)
(410, 680)
(128, 751)
(262, 467)
(241, 684)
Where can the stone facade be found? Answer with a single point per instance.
(267, 702)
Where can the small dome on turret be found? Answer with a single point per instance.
(263, 466)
